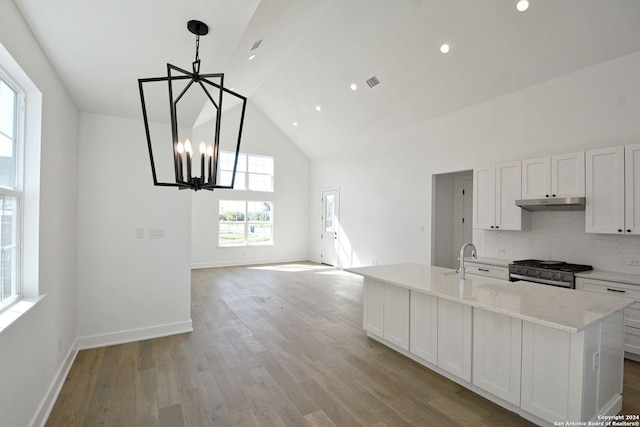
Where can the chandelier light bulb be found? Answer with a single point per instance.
(210, 150)
(187, 147)
(203, 148)
(180, 147)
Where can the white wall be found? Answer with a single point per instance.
(386, 186)
(290, 202)
(129, 288)
(36, 349)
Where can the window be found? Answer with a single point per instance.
(245, 223)
(254, 172)
(11, 120)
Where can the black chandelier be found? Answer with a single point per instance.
(179, 81)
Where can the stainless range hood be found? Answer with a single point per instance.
(553, 204)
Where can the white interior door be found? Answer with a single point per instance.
(330, 227)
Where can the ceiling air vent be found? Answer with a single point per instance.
(373, 81)
(255, 45)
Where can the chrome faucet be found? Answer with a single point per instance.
(473, 254)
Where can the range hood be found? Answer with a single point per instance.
(553, 204)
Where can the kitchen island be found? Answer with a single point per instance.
(549, 354)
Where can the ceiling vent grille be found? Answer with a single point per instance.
(373, 82)
(255, 45)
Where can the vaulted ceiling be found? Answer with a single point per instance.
(313, 50)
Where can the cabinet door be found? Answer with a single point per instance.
(373, 307)
(396, 316)
(497, 341)
(423, 326)
(484, 193)
(567, 175)
(632, 188)
(536, 178)
(546, 372)
(508, 190)
(604, 211)
(454, 338)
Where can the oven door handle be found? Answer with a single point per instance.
(538, 280)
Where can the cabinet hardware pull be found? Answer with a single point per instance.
(617, 290)
(628, 230)
(484, 269)
(619, 230)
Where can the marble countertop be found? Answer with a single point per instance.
(611, 276)
(566, 309)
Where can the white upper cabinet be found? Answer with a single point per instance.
(495, 191)
(632, 189)
(555, 176)
(613, 190)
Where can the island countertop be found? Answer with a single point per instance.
(565, 309)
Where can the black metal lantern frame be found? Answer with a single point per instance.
(182, 154)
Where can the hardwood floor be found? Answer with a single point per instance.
(272, 346)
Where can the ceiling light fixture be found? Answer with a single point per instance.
(212, 91)
(445, 48)
(251, 57)
(318, 108)
(522, 5)
(354, 86)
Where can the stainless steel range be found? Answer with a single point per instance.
(556, 273)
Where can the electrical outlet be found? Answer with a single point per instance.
(156, 233)
(634, 262)
(502, 251)
(139, 233)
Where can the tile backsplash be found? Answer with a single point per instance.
(560, 236)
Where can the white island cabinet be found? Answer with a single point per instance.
(549, 354)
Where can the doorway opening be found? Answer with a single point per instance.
(452, 201)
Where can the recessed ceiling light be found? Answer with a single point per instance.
(318, 108)
(295, 124)
(251, 57)
(445, 48)
(354, 86)
(522, 5)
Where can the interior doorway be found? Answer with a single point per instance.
(330, 227)
(452, 201)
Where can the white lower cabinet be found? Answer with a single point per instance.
(386, 312)
(572, 376)
(454, 338)
(631, 314)
(497, 353)
(479, 269)
(423, 341)
(547, 373)
(373, 307)
(396, 316)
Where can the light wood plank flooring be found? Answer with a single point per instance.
(279, 345)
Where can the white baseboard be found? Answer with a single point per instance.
(132, 335)
(45, 407)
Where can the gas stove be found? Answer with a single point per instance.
(556, 273)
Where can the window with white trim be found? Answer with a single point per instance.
(11, 134)
(254, 172)
(245, 222)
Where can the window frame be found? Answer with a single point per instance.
(246, 224)
(244, 169)
(17, 192)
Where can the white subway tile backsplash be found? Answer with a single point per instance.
(560, 236)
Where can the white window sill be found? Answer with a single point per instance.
(12, 313)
